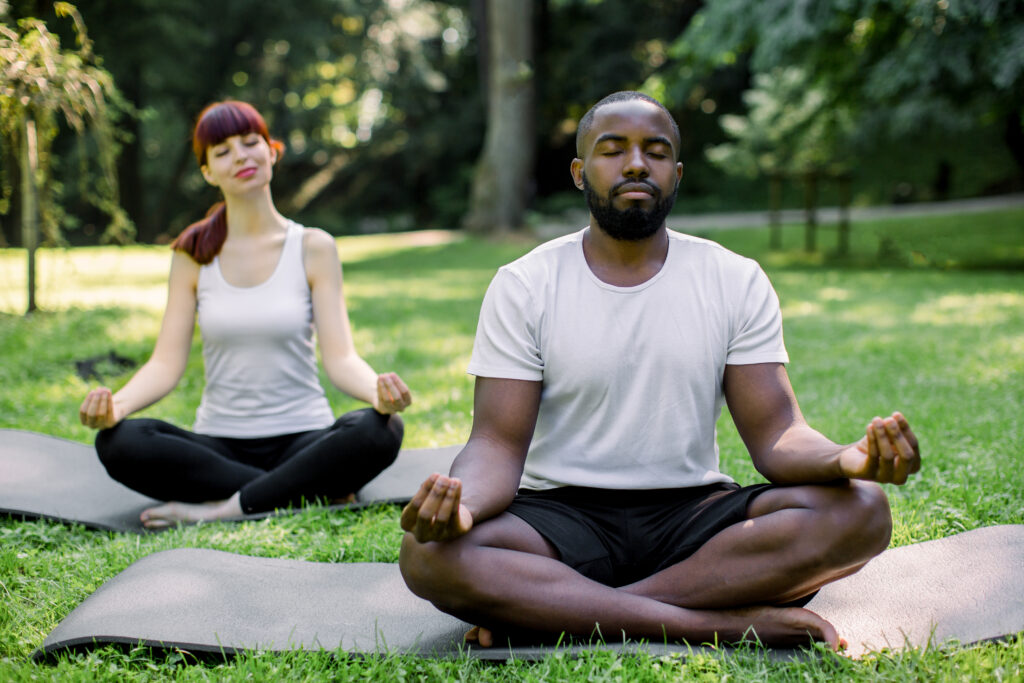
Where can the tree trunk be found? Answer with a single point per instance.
(811, 211)
(29, 210)
(502, 175)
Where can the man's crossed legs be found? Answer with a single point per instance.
(792, 540)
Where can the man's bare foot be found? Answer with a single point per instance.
(773, 626)
(479, 635)
(172, 513)
(344, 500)
(787, 627)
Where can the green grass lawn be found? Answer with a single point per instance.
(935, 328)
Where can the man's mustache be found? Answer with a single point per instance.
(655, 190)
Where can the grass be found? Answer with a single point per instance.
(939, 336)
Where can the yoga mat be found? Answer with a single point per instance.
(45, 477)
(962, 588)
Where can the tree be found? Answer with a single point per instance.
(904, 67)
(371, 97)
(40, 84)
(791, 129)
(502, 176)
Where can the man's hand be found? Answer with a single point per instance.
(435, 513)
(393, 395)
(98, 410)
(888, 453)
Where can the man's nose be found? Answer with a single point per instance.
(636, 164)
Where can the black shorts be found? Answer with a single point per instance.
(619, 537)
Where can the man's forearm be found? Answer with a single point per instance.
(801, 455)
(490, 477)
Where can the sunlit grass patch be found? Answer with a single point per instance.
(988, 241)
(136, 276)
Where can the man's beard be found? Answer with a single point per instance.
(633, 224)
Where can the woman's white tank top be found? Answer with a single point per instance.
(261, 368)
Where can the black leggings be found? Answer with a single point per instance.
(165, 462)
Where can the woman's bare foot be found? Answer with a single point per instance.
(172, 513)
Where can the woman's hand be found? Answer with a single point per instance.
(99, 410)
(392, 394)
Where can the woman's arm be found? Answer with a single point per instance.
(387, 393)
(161, 373)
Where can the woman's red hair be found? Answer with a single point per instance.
(217, 122)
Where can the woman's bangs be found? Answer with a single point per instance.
(225, 120)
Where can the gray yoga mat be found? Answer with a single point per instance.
(963, 588)
(51, 478)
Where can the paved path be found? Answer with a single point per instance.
(745, 219)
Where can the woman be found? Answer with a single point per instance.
(265, 436)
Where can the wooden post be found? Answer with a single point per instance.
(844, 214)
(811, 211)
(774, 215)
(29, 209)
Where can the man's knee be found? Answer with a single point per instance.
(430, 570)
(448, 573)
(856, 525)
(841, 525)
(870, 516)
(412, 562)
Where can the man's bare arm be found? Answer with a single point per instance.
(786, 450)
(486, 473)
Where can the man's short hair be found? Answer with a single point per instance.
(587, 122)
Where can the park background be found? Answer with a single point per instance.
(434, 139)
(413, 114)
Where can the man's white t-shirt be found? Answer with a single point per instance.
(632, 375)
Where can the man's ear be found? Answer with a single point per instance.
(576, 169)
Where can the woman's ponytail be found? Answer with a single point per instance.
(203, 239)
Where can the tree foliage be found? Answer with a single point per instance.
(46, 84)
(357, 89)
(790, 127)
(902, 66)
(383, 105)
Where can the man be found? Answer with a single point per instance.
(602, 361)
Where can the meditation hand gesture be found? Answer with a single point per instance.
(888, 453)
(393, 395)
(435, 513)
(99, 410)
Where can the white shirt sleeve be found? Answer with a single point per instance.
(506, 344)
(757, 329)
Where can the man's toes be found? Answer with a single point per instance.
(485, 637)
(479, 635)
